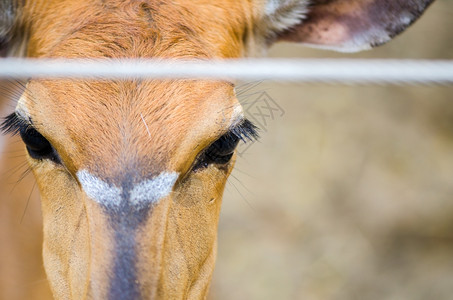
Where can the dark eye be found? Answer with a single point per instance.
(220, 152)
(37, 145)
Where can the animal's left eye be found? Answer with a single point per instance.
(220, 152)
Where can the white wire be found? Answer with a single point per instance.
(305, 70)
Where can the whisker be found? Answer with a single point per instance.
(28, 202)
(13, 89)
(17, 156)
(242, 195)
(13, 152)
(13, 170)
(21, 177)
(243, 185)
(245, 173)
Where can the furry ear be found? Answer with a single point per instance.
(12, 33)
(353, 25)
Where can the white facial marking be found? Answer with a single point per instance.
(152, 190)
(237, 116)
(21, 108)
(146, 192)
(98, 190)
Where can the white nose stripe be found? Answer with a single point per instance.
(152, 190)
(99, 190)
(146, 192)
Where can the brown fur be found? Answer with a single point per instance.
(128, 148)
(128, 130)
(98, 126)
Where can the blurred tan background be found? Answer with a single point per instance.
(349, 194)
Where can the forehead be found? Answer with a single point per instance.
(130, 123)
(139, 29)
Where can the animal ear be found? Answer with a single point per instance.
(352, 25)
(12, 34)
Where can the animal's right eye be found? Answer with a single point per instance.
(38, 147)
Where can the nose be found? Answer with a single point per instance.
(119, 212)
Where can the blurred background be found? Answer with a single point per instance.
(349, 192)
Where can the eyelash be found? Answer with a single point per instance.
(245, 130)
(12, 124)
(221, 151)
(38, 147)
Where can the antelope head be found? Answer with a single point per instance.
(131, 172)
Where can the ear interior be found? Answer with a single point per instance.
(354, 25)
